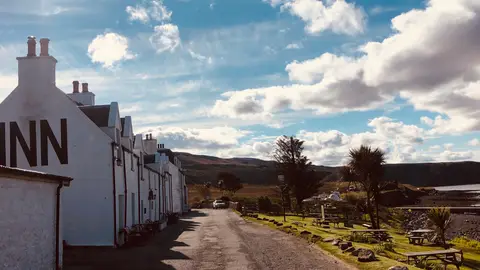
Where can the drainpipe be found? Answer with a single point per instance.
(125, 186)
(57, 229)
(125, 189)
(114, 197)
(138, 193)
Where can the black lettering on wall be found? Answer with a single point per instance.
(46, 134)
(3, 145)
(30, 152)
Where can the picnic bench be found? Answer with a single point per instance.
(326, 221)
(447, 257)
(379, 234)
(418, 236)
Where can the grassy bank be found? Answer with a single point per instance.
(385, 260)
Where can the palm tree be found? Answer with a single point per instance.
(366, 167)
(440, 217)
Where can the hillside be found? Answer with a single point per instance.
(200, 169)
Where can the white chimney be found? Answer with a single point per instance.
(150, 144)
(86, 97)
(34, 71)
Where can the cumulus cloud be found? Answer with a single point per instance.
(431, 61)
(401, 142)
(197, 138)
(166, 37)
(149, 10)
(339, 16)
(109, 49)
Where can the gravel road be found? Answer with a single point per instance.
(208, 239)
(223, 240)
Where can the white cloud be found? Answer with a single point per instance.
(294, 46)
(137, 13)
(109, 49)
(401, 142)
(166, 37)
(474, 142)
(198, 138)
(432, 69)
(149, 10)
(339, 16)
(381, 9)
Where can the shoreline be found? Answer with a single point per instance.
(453, 198)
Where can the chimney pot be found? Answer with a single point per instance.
(75, 86)
(44, 46)
(84, 87)
(31, 46)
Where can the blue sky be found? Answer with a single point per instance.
(226, 77)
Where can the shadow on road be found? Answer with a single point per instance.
(148, 256)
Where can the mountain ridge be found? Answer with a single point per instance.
(204, 168)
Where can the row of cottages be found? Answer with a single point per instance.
(121, 179)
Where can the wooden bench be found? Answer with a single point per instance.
(447, 257)
(416, 240)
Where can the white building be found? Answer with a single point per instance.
(164, 159)
(44, 129)
(30, 204)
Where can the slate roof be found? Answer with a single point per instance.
(147, 159)
(169, 153)
(33, 175)
(97, 113)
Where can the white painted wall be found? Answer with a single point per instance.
(27, 226)
(88, 203)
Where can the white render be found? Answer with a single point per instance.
(28, 224)
(91, 207)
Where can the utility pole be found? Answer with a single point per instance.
(283, 188)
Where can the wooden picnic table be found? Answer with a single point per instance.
(418, 236)
(447, 257)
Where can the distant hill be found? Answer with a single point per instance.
(200, 169)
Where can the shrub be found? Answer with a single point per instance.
(264, 204)
(225, 198)
(276, 209)
(379, 249)
(359, 238)
(441, 219)
(466, 242)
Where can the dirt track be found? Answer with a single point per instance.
(214, 239)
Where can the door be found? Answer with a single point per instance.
(143, 211)
(121, 211)
(133, 208)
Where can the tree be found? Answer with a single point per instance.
(296, 168)
(365, 166)
(228, 182)
(440, 217)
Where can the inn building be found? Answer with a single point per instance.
(121, 178)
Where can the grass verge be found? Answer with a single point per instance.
(385, 260)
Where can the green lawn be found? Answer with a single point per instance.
(472, 257)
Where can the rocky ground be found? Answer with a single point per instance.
(462, 225)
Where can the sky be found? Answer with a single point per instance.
(227, 78)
